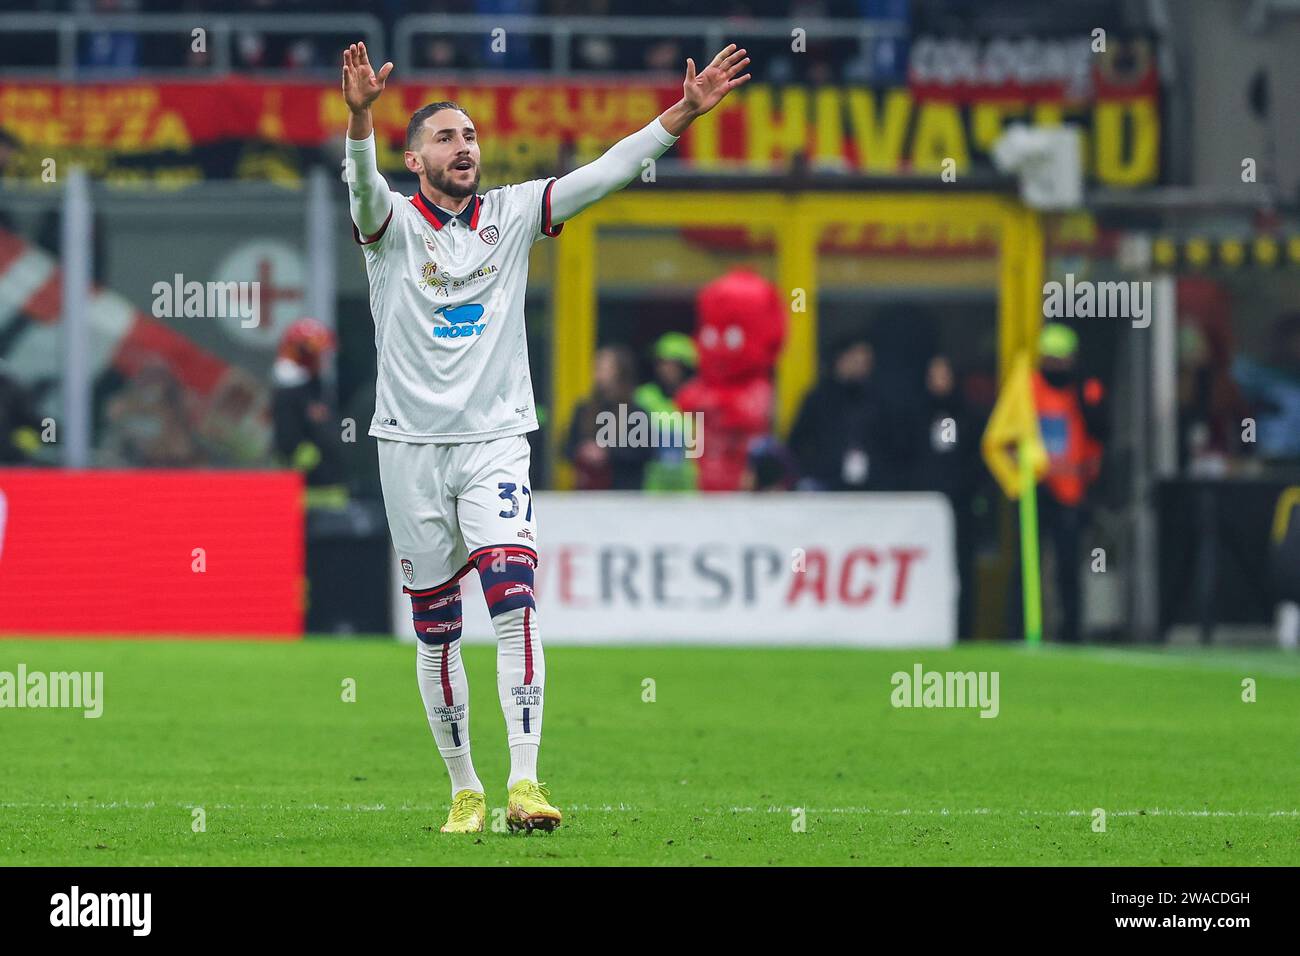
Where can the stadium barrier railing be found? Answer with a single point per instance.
(221, 31)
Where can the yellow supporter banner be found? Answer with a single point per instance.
(129, 130)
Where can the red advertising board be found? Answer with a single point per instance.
(151, 553)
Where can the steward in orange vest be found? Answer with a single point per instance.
(1069, 417)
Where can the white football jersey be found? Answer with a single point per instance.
(447, 294)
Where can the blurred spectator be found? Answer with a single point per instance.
(250, 49)
(1210, 407)
(596, 53)
(148, 424)
(768, 466)
(233, 425)
(837, 436)
(949, 462)
(1071, 419)
(301, 55)
(740, 327)
(306, 431)
(675, 362)
(1273, 390)
(20, 426)
(665, 56)
(440, 54)
(518, 52)
(903, 335)
(117, 50)
(604, 460)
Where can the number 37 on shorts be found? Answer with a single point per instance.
(511, 508)
(508, 494)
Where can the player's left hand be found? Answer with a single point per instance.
(705, 90)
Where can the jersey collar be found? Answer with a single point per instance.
(439, 218)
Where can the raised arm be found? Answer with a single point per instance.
(623, 161)
(368, 196)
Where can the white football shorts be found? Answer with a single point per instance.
(447, 504)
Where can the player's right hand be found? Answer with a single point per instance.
(361, 85)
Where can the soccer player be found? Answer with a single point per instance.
(453, 398)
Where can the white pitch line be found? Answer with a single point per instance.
(624, 808)
(1245, 664)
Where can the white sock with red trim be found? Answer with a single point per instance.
(521, 678)
(445, 690)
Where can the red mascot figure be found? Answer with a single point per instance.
(740, 325)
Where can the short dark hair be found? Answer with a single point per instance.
(423, 113)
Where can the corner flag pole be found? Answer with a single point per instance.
(1013, 450)
(1030, 581)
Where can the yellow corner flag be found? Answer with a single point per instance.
(1014, 421)
(1014, 425)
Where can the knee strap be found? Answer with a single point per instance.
(507, 576)
(437, 615)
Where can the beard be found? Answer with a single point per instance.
(443, 182)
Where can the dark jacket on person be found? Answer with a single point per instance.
(291, 407)
(841, 438)
(947, 447)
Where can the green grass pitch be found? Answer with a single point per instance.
(709, 773)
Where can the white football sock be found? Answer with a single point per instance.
(445, 690)
(523, 763)
(521, 678)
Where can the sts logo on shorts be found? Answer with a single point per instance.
(462, 321)
(408, 570)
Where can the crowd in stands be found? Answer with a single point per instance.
(115, 51)
(850, 434)
(390, 10)
(126, 51)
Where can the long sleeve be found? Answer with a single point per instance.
(368, 197)
(620, 164)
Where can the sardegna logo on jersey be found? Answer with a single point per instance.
(462, 321)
